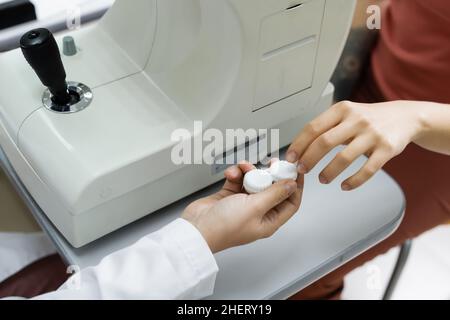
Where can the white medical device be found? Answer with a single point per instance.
(150, 67)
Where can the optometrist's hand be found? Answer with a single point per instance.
(232, 217)
(379, 131)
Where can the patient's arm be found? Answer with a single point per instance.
(435, 129)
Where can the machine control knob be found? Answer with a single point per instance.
(69, 46)
(42, 53)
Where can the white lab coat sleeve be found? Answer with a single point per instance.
(172, 263)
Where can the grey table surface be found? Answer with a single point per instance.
(331, 228)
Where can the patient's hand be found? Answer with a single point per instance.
(379, 131)
(231, 217)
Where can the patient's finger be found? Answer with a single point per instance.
(345, 158)
(324, 122)
(371, 167)
(324, 144)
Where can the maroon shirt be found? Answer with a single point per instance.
(412, 58)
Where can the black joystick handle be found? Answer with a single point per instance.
(42, 53)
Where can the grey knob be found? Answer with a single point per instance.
(69, 47)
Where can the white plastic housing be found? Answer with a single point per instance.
(155, 66)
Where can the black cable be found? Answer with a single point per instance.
(398, 269)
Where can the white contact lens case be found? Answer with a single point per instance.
(259, 180)
(283, 170)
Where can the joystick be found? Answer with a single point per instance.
(41, 51)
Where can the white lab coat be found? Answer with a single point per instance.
(172, 263)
